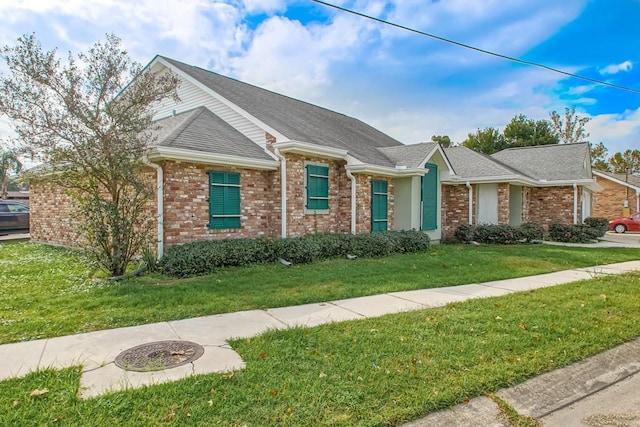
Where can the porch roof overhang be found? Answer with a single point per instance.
(590, 184)
(193, 156)
(397, 172)
(300, 147)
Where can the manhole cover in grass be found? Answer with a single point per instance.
(159, 355)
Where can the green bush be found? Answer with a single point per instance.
(600, 225)
(531, 232)
(570, 233)
(499, 234)
(205, 257)
(464, 233)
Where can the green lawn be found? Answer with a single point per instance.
(373, 372)
(47, 291)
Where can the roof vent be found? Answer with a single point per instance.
(401, 167)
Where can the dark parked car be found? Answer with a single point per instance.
(13, 216)
(630, 223)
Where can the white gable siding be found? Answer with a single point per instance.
(192, 97)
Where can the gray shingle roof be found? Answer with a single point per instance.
(201, 130)
(470, 164)
(409, 155)
(548, 162)
(298, 120)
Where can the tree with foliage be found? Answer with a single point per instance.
(599, 157)
(627, 162)
(9, 164)
(569, 128)
(488, 141)
(523, 132)
(91, 122)
(443, 140)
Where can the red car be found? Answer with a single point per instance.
(620, 225)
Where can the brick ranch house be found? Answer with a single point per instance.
(620, 195)
(234, 160)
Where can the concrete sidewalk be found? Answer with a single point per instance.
(96, 351)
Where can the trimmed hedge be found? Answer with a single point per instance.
(592, 229)
(205, 257)
(499, 234)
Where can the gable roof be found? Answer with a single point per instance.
(471, 164)
(295, 119)
(201, 130)
(557, 162)
(630, 180)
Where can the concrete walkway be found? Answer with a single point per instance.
(96, 351)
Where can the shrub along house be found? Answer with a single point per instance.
(233, 160)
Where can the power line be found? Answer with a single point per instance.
(477, 49)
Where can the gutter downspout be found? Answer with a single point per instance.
(575, 203)
(353, 200)
(468, 185)
(160, 202)
(283, 190)
(637, 201)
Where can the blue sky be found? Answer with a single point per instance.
(408, 86)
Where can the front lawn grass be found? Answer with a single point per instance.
(47, 291)
(373, 372)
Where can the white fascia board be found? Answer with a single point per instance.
(588, 183)
(616, 180)
(438, 149)
(310, 149)
(511, 179)
(193, 156)
(220, 98)
(385, 171)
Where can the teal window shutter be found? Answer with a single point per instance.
(430, 198)
(224, 200)
(317, 187)
(379, 206)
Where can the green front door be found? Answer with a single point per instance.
(379, 205)
(430, 198)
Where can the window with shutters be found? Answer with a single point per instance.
(316, 181)
(224, 200)
(379, 206)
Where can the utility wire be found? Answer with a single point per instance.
(477, 49)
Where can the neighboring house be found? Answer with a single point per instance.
(234, 160)
(545, 184)
(620, 195)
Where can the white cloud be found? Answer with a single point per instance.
(617, 68)
(618, 132)
(265, 6)
(580, 90)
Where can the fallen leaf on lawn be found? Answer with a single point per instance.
(16, 403)
(498, 318)
(322, 375)
(523, 327)
(273, 393)
(603, 296)
(228, 375)
(210, 403)
(262, 355)
(169, 416)
(39, 392)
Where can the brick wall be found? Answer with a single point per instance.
(609, 203)
(550, 205)
(51, 218)
(526, 204)
(186, 203)
(503, 203)
(455, 208)
(300, 223)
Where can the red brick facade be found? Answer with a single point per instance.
(455, 208)
(186, 204)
